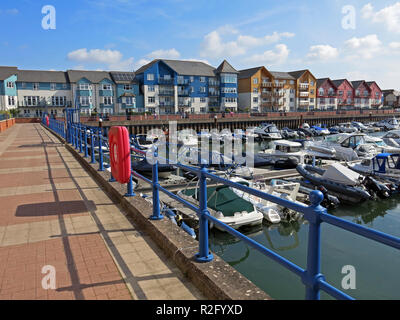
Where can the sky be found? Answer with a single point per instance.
(357, 40)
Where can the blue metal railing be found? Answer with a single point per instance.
(315, 214)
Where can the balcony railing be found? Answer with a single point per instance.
(267, 84)
(184, 93)
(183, 82)
(304, 94)
(165, 81)
(304, 86)
(166, 93)
(279, 94)
(167, 104)
(278, 84)
(214, 94)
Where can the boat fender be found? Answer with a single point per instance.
(120, 154)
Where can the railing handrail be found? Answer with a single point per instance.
(314, 214)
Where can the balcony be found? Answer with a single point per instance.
(267, 84)
(166, 81)
(304, 94)
(279, 84)
(168, 93)
(213, 84)
(184, 82)
(183, 93)
(214, 94)
(266, 94)
(167, 104)
(279, 94)
(304, 86)
(304, 102)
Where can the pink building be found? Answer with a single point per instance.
(376, 95)
(362, 94)
(326, 95)
(345, 93)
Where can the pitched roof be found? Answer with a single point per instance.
(321, 81)
(297, 74)
(248, 73)
(370, 83)
(93, 76)
(357, 83)
(6, 72)
(121, 77)
(338, 82)
(146, 66)
(282, 75)
(42, 76)
(225, 67)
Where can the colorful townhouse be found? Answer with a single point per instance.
(263, 91)
(8, 88)
(376, 97)
(345, 94)
(176, 86)
(42, 92)
(362, 94)
(128, 96)
(306, 89)
(326, 94)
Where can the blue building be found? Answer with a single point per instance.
(176, 86)
(8, 88)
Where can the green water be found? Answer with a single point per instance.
(377, 266)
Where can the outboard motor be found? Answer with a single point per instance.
(373, 186)
(329, 202)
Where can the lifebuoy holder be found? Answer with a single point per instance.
(120, 154)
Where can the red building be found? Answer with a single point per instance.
(326, 94)
(345, 93)
(376, 94)
(362, 94)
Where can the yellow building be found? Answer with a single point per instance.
(306, 90)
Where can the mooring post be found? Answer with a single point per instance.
(156, 192)
(204, 254)
(313, 274)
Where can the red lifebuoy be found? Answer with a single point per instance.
(120, 154)
(47, 121)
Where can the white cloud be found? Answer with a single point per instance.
(112, 58)
(214, 46)
(366, 47)
(394, 45)
(388, 16)
(164, 54)
(10, 11)
(323, 52)
(270, 57)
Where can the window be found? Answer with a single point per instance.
(230, 100)
(127, 87)
(58, 101)
(255, 90)
(31, 101)
(191, 79)
(255, 81)
(311, 83)
(322, 100)
(340, 93)
(231, 90)
(321, 92)
(10, 85)
(130, 101)
(202, 89)
(53, 86)
(349, 93)
(151, 89)
(202, 79)
(203, 110)
(151, 99)
(291, 81)
(23, 85)
(255, 100)
(203, 100)
(64, 86)
(11, 101)
(150, 77)
(229, 78)
(36, 86)
(85, 101)
(108, 101)
(84, 86)
(106, 87)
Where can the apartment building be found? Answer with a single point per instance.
(176, 86)
(362, 94)
(284, 91)
(8, 88)
(306, 89)
(391, 98)
(42, 92)
(376, 94)
(345, 93)
(326, 94)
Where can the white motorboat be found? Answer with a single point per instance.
(271, 211)
(268, 132)
(226, 206)
(383, 165)
(283, 150)
(381, 146)
(344, 144)
(142, 141)
(388, 124)
(392, 138)
(187, 138)
(347, 127)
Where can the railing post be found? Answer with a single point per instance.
(313, 274)
(101, 166)
(130, 192)
(156, 192)
(112, 179)
(204, 254)
(93, 160)
(76, 137)
(86, 143)
(80, 139)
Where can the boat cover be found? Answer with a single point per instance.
(341, 174)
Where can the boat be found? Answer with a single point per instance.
(186, 138)
(383, 165)
(268, 132)
(392, 138)
(343, 182)
(389, 124)
(271, 211)
(146, 169)
(284, 150)
(347, 127)
(319, 131)
(226, 206)
(142, 142)
(288, 133)
(344, 144)
(361, 127)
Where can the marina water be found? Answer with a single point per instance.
(376, 265)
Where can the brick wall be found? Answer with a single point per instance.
(6, 124)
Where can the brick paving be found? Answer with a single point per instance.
(52, 213)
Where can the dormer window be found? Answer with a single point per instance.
(107, 87)
(10, 85)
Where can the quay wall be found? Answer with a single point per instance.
(143, 124)
(6, 124)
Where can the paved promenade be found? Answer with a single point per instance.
(52, 213)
